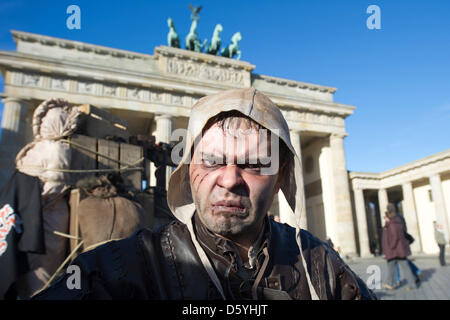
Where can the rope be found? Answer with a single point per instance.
(127, 166)
(130, 167)
(92, 151)
(53, 139)
(65, 235)
(61, 267)
(52, 278)
(260, 274)
(83, 170)
(95, 245)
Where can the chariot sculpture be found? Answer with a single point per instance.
(193, 42)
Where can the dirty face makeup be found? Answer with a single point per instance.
(231, 194)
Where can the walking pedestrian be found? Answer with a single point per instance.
(396, 249)
(439, 236)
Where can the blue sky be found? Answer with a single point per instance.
(397, 77)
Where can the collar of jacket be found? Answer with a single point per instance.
(227, 261)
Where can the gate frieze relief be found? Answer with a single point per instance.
(202, 67)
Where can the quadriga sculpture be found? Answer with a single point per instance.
(214, 46)
(192, 40)
(233, 49)
(173, 40)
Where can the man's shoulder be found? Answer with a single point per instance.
(174, 225)
(115, 269)
(312, 246)
(123, 249)
(308, 240)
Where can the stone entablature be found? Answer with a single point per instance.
(413, 171)
(25, 83)
(41, 86)
(183, 63)
(293, 88)
(20, 38)
(155, 94)
(75, 51)
(190, 65)
(295, 84)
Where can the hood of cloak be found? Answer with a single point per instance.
(262, 110)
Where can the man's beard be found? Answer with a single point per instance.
(225, 223)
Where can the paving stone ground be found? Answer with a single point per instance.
(435, 279)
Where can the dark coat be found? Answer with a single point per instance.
(164, 264)
(394, 242)
(21, 230)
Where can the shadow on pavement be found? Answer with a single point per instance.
(424, 277)
(427, 274)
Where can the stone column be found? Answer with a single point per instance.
(285, 211)
(361, 218)
(163, 128)
(343, 207)
(162, 134)
(14, 131)
(325, 162)
(382, 202)
(439, 203)
(410, 215)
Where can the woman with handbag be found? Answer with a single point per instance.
(396, 249)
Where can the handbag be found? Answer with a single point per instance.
(409, 237)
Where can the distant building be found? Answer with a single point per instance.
(421, 192)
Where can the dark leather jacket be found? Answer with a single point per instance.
(164, 264)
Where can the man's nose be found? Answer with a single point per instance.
(230, 177)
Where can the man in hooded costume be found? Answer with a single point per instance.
(222, 245)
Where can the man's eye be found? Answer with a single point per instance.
(210, 162)
(255, 167)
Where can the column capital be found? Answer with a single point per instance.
(435, 176)
(407, 183)
(7, 99)
(160, 116)
(336, 135)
